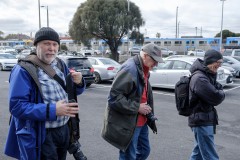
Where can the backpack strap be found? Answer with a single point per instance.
(45, 67)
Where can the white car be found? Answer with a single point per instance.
(104, 68)
(7, 61)
(167, 74)
(196, 52)
(166, 52)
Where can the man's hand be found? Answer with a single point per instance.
(66, 109)
(76, 77)
(144, 109)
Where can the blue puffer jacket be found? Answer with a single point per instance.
(27, 126)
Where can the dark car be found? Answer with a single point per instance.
(80, 64)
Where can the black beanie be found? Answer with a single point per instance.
(212, 56)
(46, 33)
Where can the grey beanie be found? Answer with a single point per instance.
(46, 33)
(212, 56)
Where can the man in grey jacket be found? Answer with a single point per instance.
(130, 110)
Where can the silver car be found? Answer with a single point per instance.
(104, 68)
(166, 75)
(7, 61)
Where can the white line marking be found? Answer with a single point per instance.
(231, 89)
(162, 93)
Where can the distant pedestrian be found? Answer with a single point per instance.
(205, 94)
(130, 109)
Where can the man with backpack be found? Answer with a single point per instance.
(39, 103)
(205, 93)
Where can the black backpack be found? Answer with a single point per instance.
(182, 96)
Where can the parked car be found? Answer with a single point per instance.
(227, 52)
(6, 49)
(196, 52)
(104, 68)
(166, 52)
(235, 52)
(134, 51)
(80, 64)
(237, 58)
(232, 62)
(85, 51)
(166, 75)
(7, 61)
(23, 53)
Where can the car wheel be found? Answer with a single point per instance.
(97, 78)
(1, 67)
(170, 54)
(191, 54)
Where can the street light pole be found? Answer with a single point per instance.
(39, 14)
(196, 30)
(128, 30)
(176, 20)
(221, 26)
(47, 15)
(178, 29)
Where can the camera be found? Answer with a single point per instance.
(150, 116)
(74, 149)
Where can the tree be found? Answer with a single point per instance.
(105, 19)
(1, 33)
(17, 36)
(226, 33)
(137, 36)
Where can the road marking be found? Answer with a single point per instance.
(231, 89)
(162, 93)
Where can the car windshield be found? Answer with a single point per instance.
(230, 59)
(7, 56)
(108, 62)
(227, 53)
(237, 53)
(81, 62)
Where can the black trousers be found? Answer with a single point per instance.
(56, 143)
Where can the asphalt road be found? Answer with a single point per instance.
(174, 140)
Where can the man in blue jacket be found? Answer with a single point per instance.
(38, 127)
(205, 94)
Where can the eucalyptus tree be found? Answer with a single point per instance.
(109, 20)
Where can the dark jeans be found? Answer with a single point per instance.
(56, 143)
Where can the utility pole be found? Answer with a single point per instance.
(176, 20)
(39, 14)
(221, 26)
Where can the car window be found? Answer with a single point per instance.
(179, 65)
(165, 65)
(237, 53)
(78, 62)
(8, 56)
(107, 61)
(93, 61)
(227, 53)
(188, 66)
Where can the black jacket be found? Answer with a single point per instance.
(205, 93)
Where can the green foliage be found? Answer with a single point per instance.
(63, 47)
(17, 36)
(105, 19)
(137, 36)
(226, 33)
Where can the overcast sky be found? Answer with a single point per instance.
(21, 16)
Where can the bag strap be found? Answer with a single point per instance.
(47, 68)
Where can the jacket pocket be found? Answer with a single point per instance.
(27, 143)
